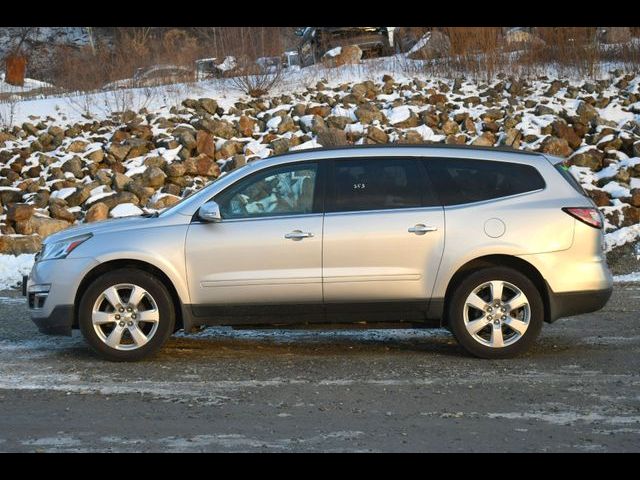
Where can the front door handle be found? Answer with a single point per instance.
(421, 229)
(298, 235)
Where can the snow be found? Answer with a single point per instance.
(12, 269)
(631, 277)
(616, 190)
(274, 122)
(334, 52)
(622, 236)
(125, 210)
(398, 114)
(63, 192)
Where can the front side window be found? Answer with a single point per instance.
(459, 181)
(287, 190)
(377, 184)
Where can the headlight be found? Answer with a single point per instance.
(62, 248)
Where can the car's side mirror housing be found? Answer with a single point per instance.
(210, 212)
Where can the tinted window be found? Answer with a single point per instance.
(464, 181)
(377, 184)
(287, 190)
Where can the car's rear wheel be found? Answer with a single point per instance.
(126, 315)
(496, 312)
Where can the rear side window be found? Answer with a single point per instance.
(458, 180)
(378, 184)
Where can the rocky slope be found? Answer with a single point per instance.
(53, 176)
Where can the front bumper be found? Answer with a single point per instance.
(60, 321)
(52, 288)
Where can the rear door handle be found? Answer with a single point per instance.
(421, 229)
(298, 235)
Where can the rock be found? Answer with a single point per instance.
(77, 146)
(43, 226)
(41, 200)
(376, 135)
(412, 121)
(119, 181)
(98, 211)
(587, 113)
(209, 105)
(450, 127)
(345, 55)
(204, 144)
(153, 177)
(332, 137)
(61, 213)
(96, 156)
(437, 98)
(78, 197)
(512, 138)
(175, 169)
(206, 166)
(487, 139)
(19, 212)
(634, 199)
(518, 38)
(543, 110)
(228, 149)
(280, 145)
(433, 44)
(246, 126)
(631, 216)
(600, 197)
(338, 122)
(139, 147)
(556, 146)
(218, 128)
(143, 193)
(367, 113)
(164, 202)
(591, 158)
(561, 130)
(187, 140)
(286, 125)
(73, 165)
(118, 151)
(17, 245)
(492, 114)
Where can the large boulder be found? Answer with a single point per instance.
(43, 226)
(433, 44)
(345, 55)
(19, 244)
(98, 211)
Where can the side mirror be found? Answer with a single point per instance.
(210, 212)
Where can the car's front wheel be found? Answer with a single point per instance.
(496, 312)
(126, 315)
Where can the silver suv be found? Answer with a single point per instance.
(486, 242)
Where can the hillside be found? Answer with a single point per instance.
(58, 169)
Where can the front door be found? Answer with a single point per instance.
(268, 247)
(383, 232)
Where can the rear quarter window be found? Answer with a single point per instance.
(459, 181)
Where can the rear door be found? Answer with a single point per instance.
(383, 232)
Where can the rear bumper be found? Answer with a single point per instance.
(59, 322)
(567, 304)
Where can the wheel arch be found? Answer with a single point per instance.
(104, 267)
(497, 260)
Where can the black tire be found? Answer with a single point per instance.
(456, 306)
(159, 294)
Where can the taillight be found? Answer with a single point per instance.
(590, 216)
